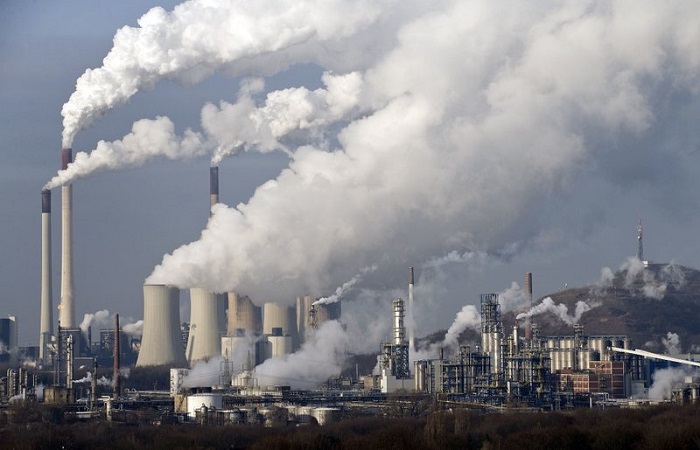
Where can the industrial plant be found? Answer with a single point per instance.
(513, 365)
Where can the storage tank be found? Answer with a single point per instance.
(326, 415)
(211, 400)
(161, 343)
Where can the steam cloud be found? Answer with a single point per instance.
(199, 37)
(672, 343)
(445, 139)
(345, 287)
(319, 358)
(665, 380)
(560, 310)
(100, 318)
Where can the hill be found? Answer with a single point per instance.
(644, 302)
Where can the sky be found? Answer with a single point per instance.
(476, 141)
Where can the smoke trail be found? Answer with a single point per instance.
(319, 358)
(200, 37)
(672, 343)
(148, 139)
(345, 287)
(468, 317)
(455, 161)
(100, 318)
(133, 329)
(560, 310)
(244, 124)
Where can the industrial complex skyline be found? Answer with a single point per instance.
(516, 139)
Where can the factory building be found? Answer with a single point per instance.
(8, 339)
(395, 373)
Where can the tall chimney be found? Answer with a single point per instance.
(528, 293)
(46, 328)
(213, 185)
(67, 312)
(411, 320)
(117, 362)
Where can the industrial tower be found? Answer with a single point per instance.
(640, 245)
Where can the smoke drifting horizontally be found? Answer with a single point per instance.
(452, 121)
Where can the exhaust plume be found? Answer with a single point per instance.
(345, 287)
(199, 37)
(482, 132)
(100, 319)
(148, 139)
(560, 310)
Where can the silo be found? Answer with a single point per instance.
(204, 340)
(161, 342)
(243, 316)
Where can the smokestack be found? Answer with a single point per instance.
(46, 328)
(67, 312)
(161, 342)
(213, 185)
(399, 332)
(528, 293)
(411, 321)
(117, 361)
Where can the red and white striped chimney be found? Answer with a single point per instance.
(67, 309)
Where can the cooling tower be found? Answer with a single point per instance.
(46, 326)
(243, 316)
(326, 312)
(204, 340)
(67, 309)
(279, 346)
(278, 316)
(161, 343)
(302, 310)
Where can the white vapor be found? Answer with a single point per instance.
(320, 358)
(345, 287)
(561, 310)
(451, 121)
(148, 139)
(200, 37)
(99, 319)
(672, 343)
(665, 380)
(134, 329)
(468, 317)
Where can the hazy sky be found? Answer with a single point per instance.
(506, 138)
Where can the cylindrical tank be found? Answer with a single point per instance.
(243, 316)
(208, 400)
(46, 326)
(326, 415)
(204, 340)
(161, 342)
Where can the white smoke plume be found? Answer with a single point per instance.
(606, 282)
(204, 373)
(432, 163)
(102, 381)
(665, 380)
(148, 139)
(560, 310)
(345, 287)
(468, 317)
(672, 343)
(245, 124)
(100, 319)
(649, 283)
(319, 358)
(200, 37)
(134, 329)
